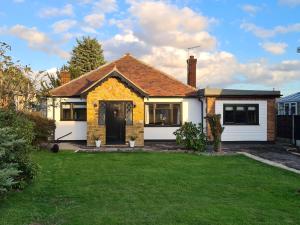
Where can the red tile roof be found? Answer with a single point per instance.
(154, 82)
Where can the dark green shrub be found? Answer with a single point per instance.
(16, 138)
(191, 136)
(43, 127)
(16, 167)
(23, 127)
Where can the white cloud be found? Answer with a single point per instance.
(290, 2)
(37, 40)
(63, 25)
(94, 20)
(123, 43)
(250, 9)
(105, 6)
(164, 24)
(276, 48)
(162, 43)
(267, 33)
(67, 10)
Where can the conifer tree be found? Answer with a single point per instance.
(87, 55)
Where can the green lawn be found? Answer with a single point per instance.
(153, 188)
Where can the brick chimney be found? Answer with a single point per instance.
(65, 77)
(191, 71)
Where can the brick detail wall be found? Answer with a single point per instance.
(271, 123)
(210, 107)
(271, 114)
(114, 90)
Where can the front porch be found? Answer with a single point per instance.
(115, 113)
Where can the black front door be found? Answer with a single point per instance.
(115, 123)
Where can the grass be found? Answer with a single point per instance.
(153, 188)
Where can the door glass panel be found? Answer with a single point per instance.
(102, 112)
(128, 115)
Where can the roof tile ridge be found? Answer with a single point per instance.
(168, 75)
(88, 73)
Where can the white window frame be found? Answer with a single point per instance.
(290, 108)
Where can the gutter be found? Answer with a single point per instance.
(201, 101)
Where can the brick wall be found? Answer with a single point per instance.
(271, 123)
(113, 89)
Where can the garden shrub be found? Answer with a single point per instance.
(191, 136)
(22, 126)
(16, 166)
(17, 135)
(30, 126)
(43, 127)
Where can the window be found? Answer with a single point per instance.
(290, 108)
(128, 113)
(126, 107)
(280, 109)
(163, 114)
(286, 109)
(293, 108)
(240, 114)
(73, 111)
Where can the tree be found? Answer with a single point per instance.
(49, 82)
(17, 88)
(87, 55)
(216, 128)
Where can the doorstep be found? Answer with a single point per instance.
(107, 148)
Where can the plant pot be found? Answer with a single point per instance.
(98, 143)
(131, 144)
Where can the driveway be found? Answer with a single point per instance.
(274, 152)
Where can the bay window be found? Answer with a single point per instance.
(240, 114)
(163, 114)
(73, 111)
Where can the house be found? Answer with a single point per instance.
(127, 98)
(289, 105)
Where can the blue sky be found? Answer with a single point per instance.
(243, 44)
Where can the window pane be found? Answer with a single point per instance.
(176, 114)
(287, 109)
(240, 115)
(229, 114)
(79, 111)
(128, 108)
(229, 108)
(163, 114)
(66, 111)
(293, 108)
(102, 112)
(280, 109)
(151, 114)
(252, 115)
(79, 114)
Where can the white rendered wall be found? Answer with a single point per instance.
(244, 132)
(191, 112)
(78, 128)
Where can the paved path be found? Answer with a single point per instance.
(274, 152)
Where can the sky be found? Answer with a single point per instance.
(241, 44)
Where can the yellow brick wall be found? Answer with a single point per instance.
(114, 90)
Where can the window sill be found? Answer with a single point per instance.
(239, 124)
(73, 120)
(162, 125)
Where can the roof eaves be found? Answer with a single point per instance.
(116, 73)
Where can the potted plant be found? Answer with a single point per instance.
(132, 141)
(97, 141)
